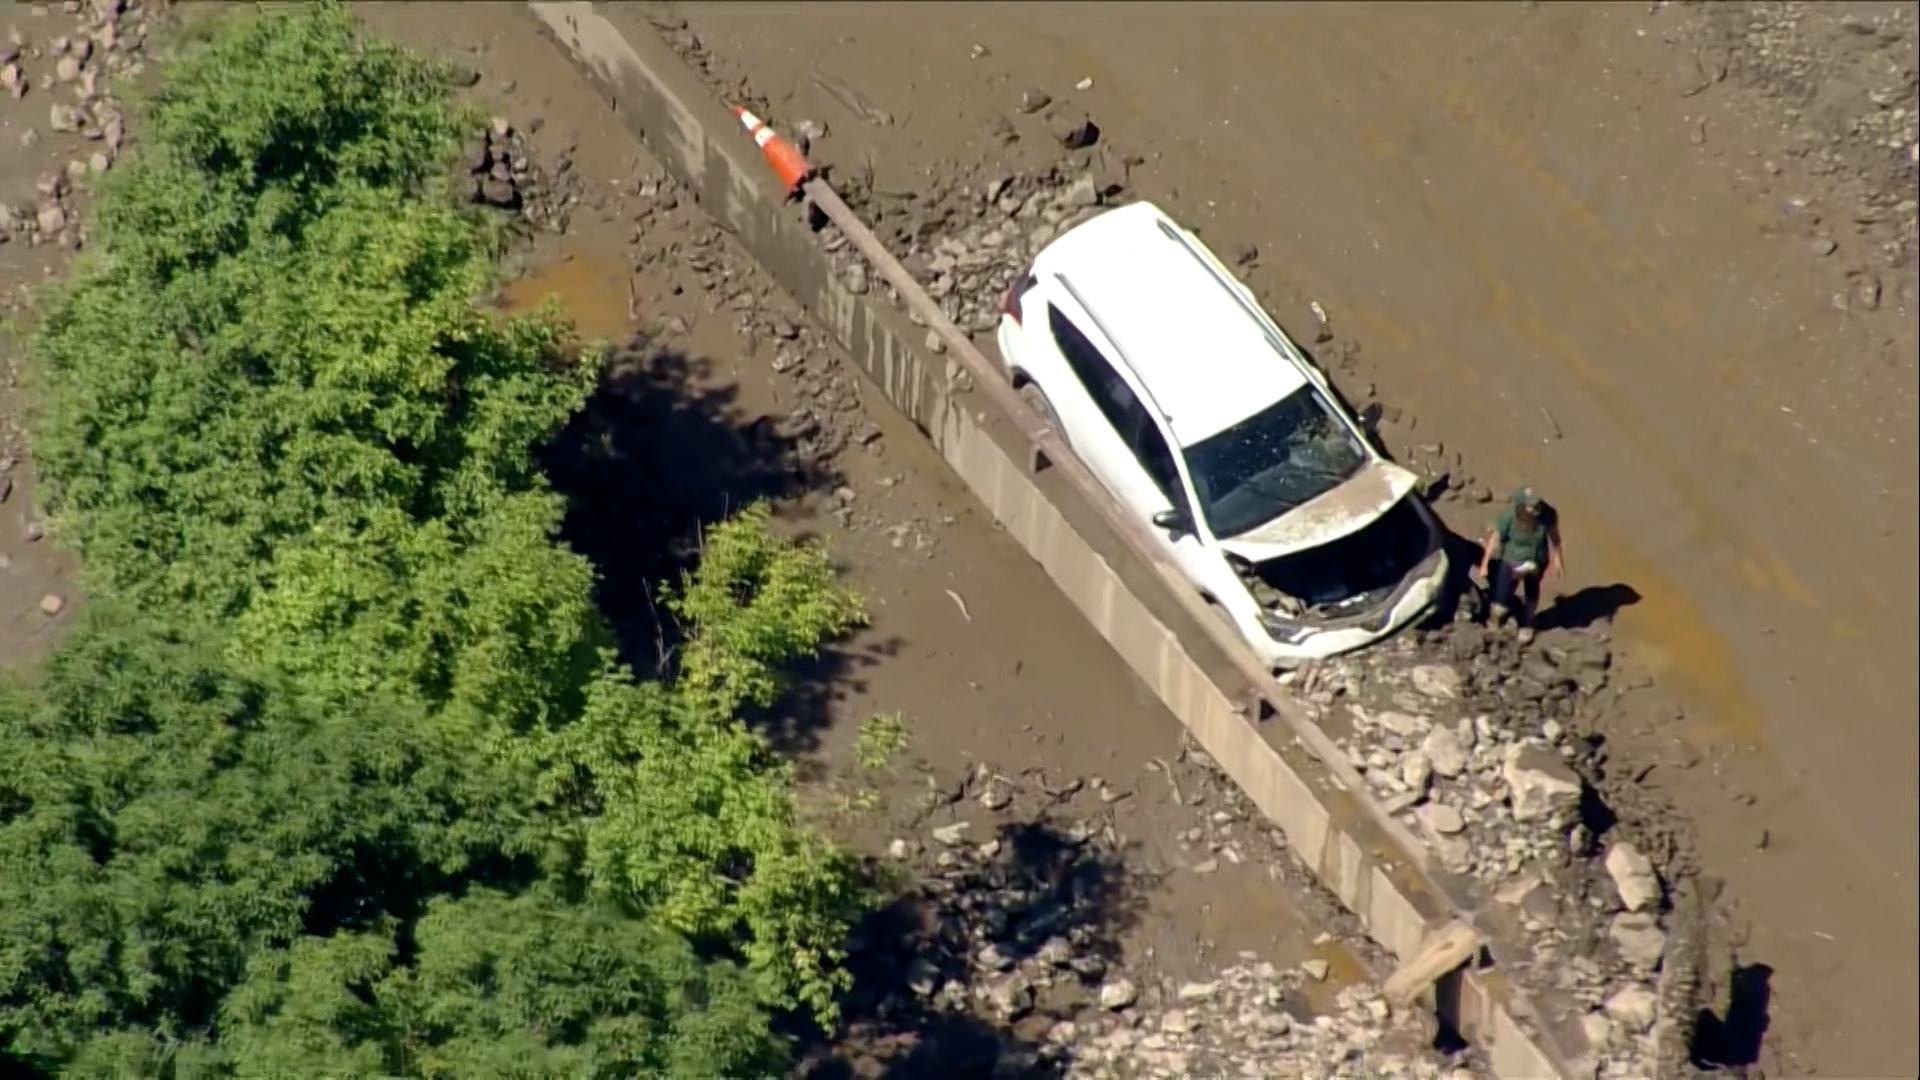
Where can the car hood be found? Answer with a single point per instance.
(1343, 511)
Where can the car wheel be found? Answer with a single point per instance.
(1036, 400)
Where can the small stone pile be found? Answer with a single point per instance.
(1471, 742)
(1248, 1021)
(1020, 891)
(821, 396)
(71, 72)
(967, 242)
(505, 174)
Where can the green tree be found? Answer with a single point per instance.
(345, 778)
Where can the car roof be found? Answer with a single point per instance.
(1195, 349)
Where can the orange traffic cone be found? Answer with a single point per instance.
(789, 164)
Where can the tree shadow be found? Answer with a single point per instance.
(1733, 1042)
(1045, 911)
(658, 453)
(1580, 610)
(814, 686)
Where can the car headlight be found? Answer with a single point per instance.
(1285, 628)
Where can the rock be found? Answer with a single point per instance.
(1177, 1022)
(63, 118)
(1416, 771)
(1084, 191)
(1393, 804)
(1245, 254)
(1444, 752)
(1076, 134)
(1055, 952)
(1117, 993)
(1639, 937)
(899, 849)
(1441, 819)
(1633, 875)
(1033, 100)
(1088, 967)
(1198, 991)
(1206, 866)
(992, 957)
(6, 488)
(952, 835)
(1540, 786)
(1598, 1030)
(808, 132)
(99, 162)
(1315, 969)
(33, 532)
(12, 80)
(1405, 725)
(995, 795)
(1517, 890)
(1866, 293)
(1634, 1008)
(66, 69)
(29, 139)
(1011, 996)
(1822, 246)
(1436, 681)
(52, 604)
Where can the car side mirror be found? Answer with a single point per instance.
(1174, 522)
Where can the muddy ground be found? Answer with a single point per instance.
(1658, 261)
(1086, 812)
(1655, 260)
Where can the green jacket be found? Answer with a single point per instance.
(1519, 544)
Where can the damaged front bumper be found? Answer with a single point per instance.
(1299, 638)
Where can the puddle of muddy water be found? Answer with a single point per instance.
(592, 294)
(1672, 638)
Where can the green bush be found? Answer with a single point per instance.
(343, 776)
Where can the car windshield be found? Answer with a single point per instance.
(1278, 459)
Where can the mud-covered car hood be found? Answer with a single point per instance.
(1339, 513)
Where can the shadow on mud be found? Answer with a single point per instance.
(1593, 604)
(659, 452)
(963, 974)
(1732, 1042)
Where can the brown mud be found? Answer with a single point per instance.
(1682, 306)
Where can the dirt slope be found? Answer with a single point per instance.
(1580, 258)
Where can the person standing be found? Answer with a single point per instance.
(1523, 547)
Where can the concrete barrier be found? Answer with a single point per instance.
(1244, 720)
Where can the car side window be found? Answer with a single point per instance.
(1157, 458)
(1117, 402)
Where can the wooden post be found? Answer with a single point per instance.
(1440, 952)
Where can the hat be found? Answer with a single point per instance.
(1527, 497)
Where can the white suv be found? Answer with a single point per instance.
(1159, 369)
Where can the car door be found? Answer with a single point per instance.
(1191, 550)
(1127, 449)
